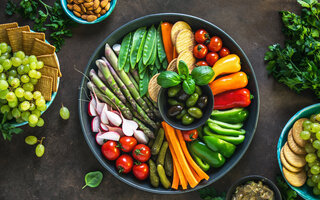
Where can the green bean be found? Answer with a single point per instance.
(168, 164)
(124, 51)
(154, 178)
(148, 46)
(160, 47)
(163, 178)
(162, 154)
(136, 41)
(158, 142)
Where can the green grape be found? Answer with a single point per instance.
(15, 83)
(20, 54)
(33, 66)
(311, 157)
(33, 119)
(9, 49)
(40, 102)
(19, 92)
(6, 55)
(316, 178)
(25, 115)
(3, 47)
(313, 118)
(32, 125)
(40, 150)
(37, 95)
(42, 108)
(3, 76)
(316, 191)
(40, 122)
(19, 120)
(5, 109)
(9, 116)
(16, 62)
(3, 94)
(38, 75)
(32, 58)
(33, 81)
(305, 135)
(25, 105)
(315, 127)
(318, 135)
(25, 61)
(64, 113)
(10, 78)
(13, 73)
(28, 95)
(2, 58)
(25, 79)
(16, 113)
(310, 183)
(315, 169)
(7, 64)
(32, 106)
(13, 104)
(36, 112)
(312, 164)
(3, 101)
(40, 65)
(11, 96)
(20, 69)
(26, 68)
(3, 85)
(316, 144)
(1, 68)
(317, 117)
(318, 154)
(28, 87)
(31, 140)
(32, 73)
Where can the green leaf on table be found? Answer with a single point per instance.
(93, 179)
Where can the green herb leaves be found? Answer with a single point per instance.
(45, 17)
(209, 193)
(295, 65)
(202, 75)
(168, 79)
(7, 129)
(93, 179)
(286, 192)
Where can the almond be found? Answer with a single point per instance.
(70, 7)
(88, 1)
(98, 10)
(91, 18)
(69, 1)
(108, 6)
(83, 8)
(90, 12)
(76, 8)
(88, 4)
(103, 11)
(96, 4)
(90, 8)
(76, 13)
(80, 1)
(84, 17)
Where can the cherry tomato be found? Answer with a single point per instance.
(127, 143)
(200, 51)
(215, 44)
(224, 52)
(141, 153)
(110, 150)
(124, 164)
(141, 171)
(190, 135)
(202, 36)
(212, 58)
(201, 63)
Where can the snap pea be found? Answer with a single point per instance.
(140, 50)
(160, 47)
(173, 91)
(224, 131)
(233, 140)
(165, 64)
(157, 63)
(187, 119)
(163, 178)
(154, 178)
(126, 67)
(149, 45)
(153, 57)
(124, 51)
(226, 125)
(158, 142)
(141, 67)
(192, 100)
(136, 40)
(182, 113)
(168, 164)
(162, 153)
(143, 85)
(195, 112)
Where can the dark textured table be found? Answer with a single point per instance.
(59, 174)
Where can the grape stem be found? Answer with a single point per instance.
(40, 141)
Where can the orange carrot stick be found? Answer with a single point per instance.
(195, 174)
(194, 165)
(166, 38)
(175, 54)
(175, 181)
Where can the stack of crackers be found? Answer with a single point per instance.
(292, 156)
(33, 43)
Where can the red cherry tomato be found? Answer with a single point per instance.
(212, 58)
(141, 153)
(141, 171)
(190, 135)
(202, 36)
(110, 150)
(215, 44)
(124, 164)
(201, 63)
(224, 52)
(127, 143)
(200, 51)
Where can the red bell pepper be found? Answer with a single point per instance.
(232, 99)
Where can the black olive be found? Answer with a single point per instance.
(174, 110)
(182, 96)
(202, 102)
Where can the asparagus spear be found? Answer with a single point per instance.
(135, 75)
(103, 88)
(145, 129)
(112, 58)
(93, 88)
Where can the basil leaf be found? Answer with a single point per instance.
(93, 179)
(183, 69)
(202, 75)
(189, 86)
(168, 79)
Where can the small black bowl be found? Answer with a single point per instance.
(255, 178)
(164, 107)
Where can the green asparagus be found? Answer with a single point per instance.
(145, 129)
(93, 88)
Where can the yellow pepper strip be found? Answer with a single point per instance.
(226, 65)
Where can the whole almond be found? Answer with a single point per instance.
(90, 12)
(103, 3)
(69, 1)
(103, 11)
(83, 8)
(80, 1)
(96, 4)
(108, 6)
(76, 14)
(76, 1)
(98, 15)
(70, 7)
(91, 18)
(88, 4)
(98, 10)
(88, 1)
(76, 8)
(84, 17)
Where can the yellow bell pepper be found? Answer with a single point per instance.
(226, 65)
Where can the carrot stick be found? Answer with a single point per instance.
(194, 165)
(180, 157)
(166, 38)
(175, 54)
(195, 174)
(175, 181)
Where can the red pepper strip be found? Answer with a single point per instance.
(232, 99)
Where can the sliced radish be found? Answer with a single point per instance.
(104, 127)
(99, 140)
(141, 137)
(107, 136)
(92, 108)
(113, 118)
(128, 126)
(115, 129)
(99, 105)
(103, 115)
(95, 124)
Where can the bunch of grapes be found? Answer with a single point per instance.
(311, 133)
(18, 76)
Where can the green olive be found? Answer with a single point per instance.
(183, 112)
(198, 90)
(195, 112)
(174, 102)
(173, 91)
(192, 100)
(187, 119)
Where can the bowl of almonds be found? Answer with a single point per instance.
(88, 11)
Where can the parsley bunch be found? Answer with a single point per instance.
(297, 63)
(7, 129)
(45, 17)
(286, 192)
(209, 193)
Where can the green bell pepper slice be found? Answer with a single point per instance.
(202, 164)
(221, 146)
(224, 131)
(226, 125)
(235, 115)
(233, 140)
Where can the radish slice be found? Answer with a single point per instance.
(100, 138)
(104, 127)
(116, 48)
(99, 105)
(128, 126)
(92, 108)
(113, 118)
(95, 124)
(115, 129)
(141, 137)
(103, 115)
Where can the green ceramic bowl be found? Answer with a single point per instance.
(304, 191)
(82, 21)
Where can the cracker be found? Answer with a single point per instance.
(176, 28)
(188, 58)
(42, 48)
(292, 158)
(185, 41)
(154, 88)
(44, 85)
(51, 72)
(3, 32)
(51, 61)
(294, 146)
(173, 66)
(28, 40)
(295, 179)
(15, 37)
(296, 130)
(287, 165)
